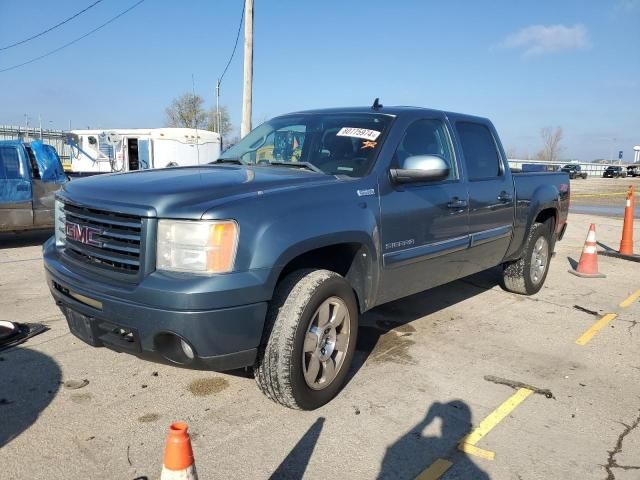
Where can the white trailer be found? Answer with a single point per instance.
(122, 150)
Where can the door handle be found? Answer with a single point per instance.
(504, 197)
(457, 203)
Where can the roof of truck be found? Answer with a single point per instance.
(398, 110)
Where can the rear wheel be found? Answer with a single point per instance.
(527, 274)
(310, 339)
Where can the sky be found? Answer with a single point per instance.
(524, 64)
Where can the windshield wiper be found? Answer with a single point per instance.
(237, 161)
(307, 165)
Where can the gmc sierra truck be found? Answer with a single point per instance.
(267, 257)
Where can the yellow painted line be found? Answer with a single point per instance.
(435, 470)
(495, 417)
(595, 328)
(631, 299)
(468, 442)
(588, 195)
(476, 451)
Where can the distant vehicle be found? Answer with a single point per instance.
(120, 150)
(633, 171)
(30, 175)
(268, 257)
(574, 171)
(614, 172)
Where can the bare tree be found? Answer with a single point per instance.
(186, 111)
(225, 126)
(551, 149)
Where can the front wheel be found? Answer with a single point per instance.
(527, 274)
(310, 339)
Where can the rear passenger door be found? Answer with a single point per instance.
(491, 196)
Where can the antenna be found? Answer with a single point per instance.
(376, 105)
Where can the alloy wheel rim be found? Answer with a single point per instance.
(539, 259)
(326, 343)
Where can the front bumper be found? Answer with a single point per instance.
(222, 338)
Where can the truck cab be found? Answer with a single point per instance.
(30, 175)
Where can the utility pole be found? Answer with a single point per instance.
(245, 126)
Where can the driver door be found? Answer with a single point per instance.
(424, 226)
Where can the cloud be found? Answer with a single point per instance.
(543, 39)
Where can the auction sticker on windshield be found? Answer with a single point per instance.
(358, 133)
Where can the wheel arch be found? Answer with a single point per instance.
(351, 257)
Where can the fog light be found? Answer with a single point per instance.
(186, 349)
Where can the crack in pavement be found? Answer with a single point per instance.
(611, 461)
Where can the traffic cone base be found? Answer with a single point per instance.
(587, 275)
(588, 264)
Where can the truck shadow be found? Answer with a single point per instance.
(24, 239)
(385, 332)
(29, 381)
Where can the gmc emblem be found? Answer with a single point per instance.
(82, 234)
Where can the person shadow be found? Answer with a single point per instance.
(414, 452)
(29, 381)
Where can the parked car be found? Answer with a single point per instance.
(633, 171)
(614, 172)
(268, 257)
(30, 174)
(574, 171)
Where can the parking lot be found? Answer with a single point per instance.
(463, 359)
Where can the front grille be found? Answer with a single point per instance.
(116, 244)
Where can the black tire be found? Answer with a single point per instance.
(279, 368)
(516, 275)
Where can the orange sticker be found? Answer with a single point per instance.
(368, 144)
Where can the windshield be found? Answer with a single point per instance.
(337, 144)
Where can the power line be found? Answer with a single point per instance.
(50, 29)
(73, 41)
(235, 46)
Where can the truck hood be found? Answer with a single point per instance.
(184, 192)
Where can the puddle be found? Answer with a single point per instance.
(148, 417)
(392, 346)
(208, 386)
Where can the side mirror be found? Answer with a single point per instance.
(420, 168)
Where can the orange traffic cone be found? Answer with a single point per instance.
(626, 243)
(178, 463)
(588, 264)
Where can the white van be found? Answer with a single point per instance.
(122, 150)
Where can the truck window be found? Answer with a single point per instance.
(337, 144)
(480, 154)
(10, 164)
(35, 172)
(427, 137)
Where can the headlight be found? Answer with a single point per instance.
(201, 246)
(59, 223)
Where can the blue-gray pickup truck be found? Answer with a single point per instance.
(267, 257)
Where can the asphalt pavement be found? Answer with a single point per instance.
(465, 381)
